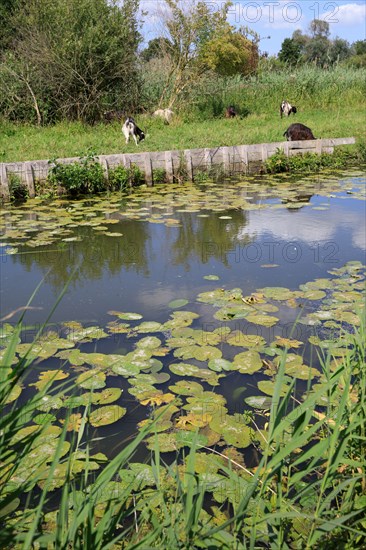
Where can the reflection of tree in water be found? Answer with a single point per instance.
(93, 255)
(207, 238)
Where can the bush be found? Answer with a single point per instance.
(311, 162)
(78, 178)
(18, 191)
(120, 178)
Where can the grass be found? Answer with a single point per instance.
(20, 143)
(330, 102)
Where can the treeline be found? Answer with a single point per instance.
(318, 49)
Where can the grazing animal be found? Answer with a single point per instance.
(297, 132)
(130, 128)
(230, 112)
(165, 114)
(286, 108)
(111, 116)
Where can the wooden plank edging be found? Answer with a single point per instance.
(233, 159)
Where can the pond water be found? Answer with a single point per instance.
(151, 284)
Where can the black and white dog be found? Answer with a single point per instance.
(130, 128)
(286, 108)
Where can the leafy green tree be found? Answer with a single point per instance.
(8, 30)
(202, 40)
(359, 47)
(290, 52)
(75, 58)
(228, 53)
(157, 47)
(319, 28)
(339, 50)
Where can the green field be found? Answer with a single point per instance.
(20, 142)
(331, 103)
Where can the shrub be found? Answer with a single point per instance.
(159, 176)
(18, 191)
(77, 178)
(120, 177)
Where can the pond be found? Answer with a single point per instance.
(181, 299)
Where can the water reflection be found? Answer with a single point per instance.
(231, 230)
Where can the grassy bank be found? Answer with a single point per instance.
(331, 103)
(20, 143)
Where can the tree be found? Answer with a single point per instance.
(76, 58)
(339, 50)
(290, 52)
(319, 28)
(8, 30)
(359, 47)
(228, 53)
(317, 51)
(157, 47)
(201, 40)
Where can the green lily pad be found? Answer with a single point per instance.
(92, 379)
(109, 395)
(106, 415)
(174, 304)
(263, 320)
(268, 386)
(211, 277)
(219, 365)
(258, 402)
(150, 342)
(247, 362)
(126, 316)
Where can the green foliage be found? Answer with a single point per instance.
(290, 51)
(311, 162)
(121, 178)
(159, 176)
(157, 47)
(356, 61)
(71, 60)
(77, 178)
(18, 191)
(228, 53)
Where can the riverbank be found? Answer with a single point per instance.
(25, 142)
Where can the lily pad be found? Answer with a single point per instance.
(258, 402)
(92, 379)
(106, 415)
(175, 304)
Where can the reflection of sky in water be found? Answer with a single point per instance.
(153, 264)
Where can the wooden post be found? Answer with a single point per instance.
(29, 178)
(207, 159)
(148, 169)
(243, 149)
(104, 164)
(226, 159)
(4, 182)
(264, 152)
(189, 166)
(169, 170)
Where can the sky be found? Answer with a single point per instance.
(276, 19)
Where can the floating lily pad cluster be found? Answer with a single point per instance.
(174, 369)
(38, 223)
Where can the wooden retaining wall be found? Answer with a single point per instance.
(233, 160)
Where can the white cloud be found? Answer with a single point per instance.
(282, 226)
(347, 14)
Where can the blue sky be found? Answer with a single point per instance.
(277, 19)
